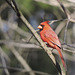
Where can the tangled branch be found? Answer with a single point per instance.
(20, 15)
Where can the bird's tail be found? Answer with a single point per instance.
(61, 56)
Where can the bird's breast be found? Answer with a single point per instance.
(42, 36)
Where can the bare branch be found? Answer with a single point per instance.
(29, 45)
(60, 27)
(21, 60)
(65, 33)
(4, 54)
(69, 45)
(53, 21)
(19, 44)
(55, 3)
(4, 65)
(64, 9)
(64, 49)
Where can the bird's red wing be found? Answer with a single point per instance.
(52, 37)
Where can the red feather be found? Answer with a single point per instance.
(48, 35)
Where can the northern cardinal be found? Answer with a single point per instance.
(50, 37)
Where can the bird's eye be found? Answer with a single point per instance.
(43, 25)
(40, 25)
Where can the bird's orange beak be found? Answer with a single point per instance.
(39, 27)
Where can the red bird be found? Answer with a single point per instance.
(50, 37)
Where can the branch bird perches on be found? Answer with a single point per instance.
(23, 19)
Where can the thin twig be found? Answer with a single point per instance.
(53, 21)
(64, 9)
(65, 33)
(4, 65)
(64, 49)
(69, 45)
(4, 54)
(30, 38)
(19, 44)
